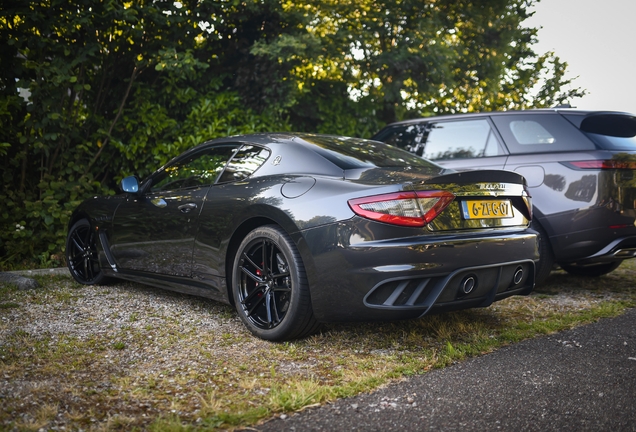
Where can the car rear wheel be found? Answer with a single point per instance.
(591, 271)
(546, 257)
(81, 254)
(270, 287)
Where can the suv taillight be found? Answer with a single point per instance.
(413, 209)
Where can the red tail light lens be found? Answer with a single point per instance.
(413, 209)
(603, 164)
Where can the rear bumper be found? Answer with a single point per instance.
(466, 287)
(617, 250)
(407, 277)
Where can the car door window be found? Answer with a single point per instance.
(247, 160)
(461, 140)
(200, 169)
(540, 133)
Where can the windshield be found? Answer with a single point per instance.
(350, 153)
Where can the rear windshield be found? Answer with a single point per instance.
(406, 136)
(351, 153)
(608, 131)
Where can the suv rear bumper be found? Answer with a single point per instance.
(617, 250)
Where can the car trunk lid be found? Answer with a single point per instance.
(484, 199)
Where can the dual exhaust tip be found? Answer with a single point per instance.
(469, 283)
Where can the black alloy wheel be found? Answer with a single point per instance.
(81, 254)
(591, 270)
(270, 286)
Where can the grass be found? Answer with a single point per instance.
(125, 357)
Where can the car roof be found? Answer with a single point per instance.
(570, 111)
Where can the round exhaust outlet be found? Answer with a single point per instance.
(518, 276)
(468, 284)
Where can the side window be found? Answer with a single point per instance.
(540, 133)
(461, 140)
(247, 160)
(200, 169)
(406, 137)
(530, 132)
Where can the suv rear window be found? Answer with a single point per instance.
(608, 131)
(540, 133)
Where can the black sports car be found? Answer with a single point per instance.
(297, 229)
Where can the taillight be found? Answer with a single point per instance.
(413, 209)
(602, 164)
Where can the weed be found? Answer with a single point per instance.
(119, 345)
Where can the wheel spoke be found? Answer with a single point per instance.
(275, 308)
(268, 309)
(251, 275)
(86, 269)
(246, 257)
(87, 242)
(76, 259)
(254, 306)
(264, 257)
(75, 239)
(250, 296)
(280, 275)
(282, 288)
(271, 267)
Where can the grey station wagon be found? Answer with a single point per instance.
(580, 167)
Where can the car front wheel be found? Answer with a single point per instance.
(270, 287)
(81, 254)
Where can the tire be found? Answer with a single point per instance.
(81, 254)
(546, 256)
(270, 287)
(591, 270)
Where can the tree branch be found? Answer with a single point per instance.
(134, 75)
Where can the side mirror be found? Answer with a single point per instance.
(130, 184)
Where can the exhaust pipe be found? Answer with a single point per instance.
(518, 276)
(468, 284)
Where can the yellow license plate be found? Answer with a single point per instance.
(486, 209)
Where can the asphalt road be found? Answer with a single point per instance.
(578, 380)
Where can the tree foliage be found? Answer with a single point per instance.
(414, 57)
(92, 90)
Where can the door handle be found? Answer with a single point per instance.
(186, 208)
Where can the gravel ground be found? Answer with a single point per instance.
(125, 338)
(120, 356)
